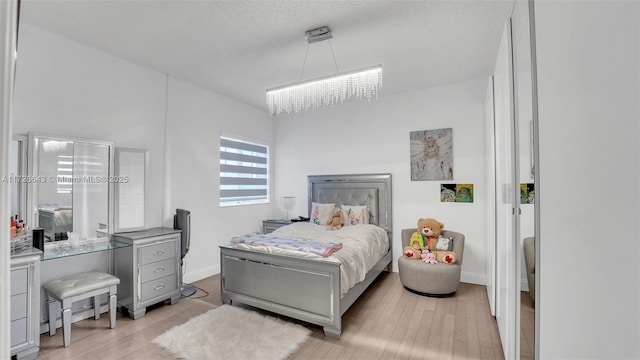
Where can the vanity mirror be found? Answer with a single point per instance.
(129, 176)
(70, 186)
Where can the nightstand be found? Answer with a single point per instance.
(270, 225)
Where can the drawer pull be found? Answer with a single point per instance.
(158, 252)
(158, 287)
(157, 270)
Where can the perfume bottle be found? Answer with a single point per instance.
(13, 228)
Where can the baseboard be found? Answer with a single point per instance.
(193, 276)
(472, 278)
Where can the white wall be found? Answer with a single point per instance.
(196, 119)
(373, 137)
(588, 81)
(65, 88)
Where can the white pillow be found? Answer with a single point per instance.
(321, 213)
(354, 215)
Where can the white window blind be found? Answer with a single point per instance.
(244, 175)
(65, 174)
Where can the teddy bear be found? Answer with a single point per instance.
(448, 257)
(411, 252)
(421, 239)
(336, 221)
(428, 257)
(431, 229)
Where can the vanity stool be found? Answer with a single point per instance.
(77, 287)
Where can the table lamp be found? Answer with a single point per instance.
(288, 203)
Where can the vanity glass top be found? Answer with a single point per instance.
(60, 249)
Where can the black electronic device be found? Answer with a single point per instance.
(182, 222)
(37, 238)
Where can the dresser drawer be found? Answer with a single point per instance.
(18, 306)
(157, 270)
(19, 281)
(159, 287)
(157, 252)
(18, 332)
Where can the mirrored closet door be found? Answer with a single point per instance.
(526, 123)
(524, 105)
(511, 283)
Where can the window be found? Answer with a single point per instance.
(244, 175)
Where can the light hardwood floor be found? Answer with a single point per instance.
(387, 322)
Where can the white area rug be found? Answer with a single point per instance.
(229, 332)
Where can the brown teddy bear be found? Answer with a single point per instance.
(431, 229)
(412, 252)
(336, 221)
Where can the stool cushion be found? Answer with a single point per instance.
(79, 284)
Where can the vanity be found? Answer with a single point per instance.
(25, 305)
(148, 269)
(94, 189)
(88, 187)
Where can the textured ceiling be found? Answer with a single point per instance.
(241, 48)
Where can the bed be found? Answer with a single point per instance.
(303, 288)
(55, 219)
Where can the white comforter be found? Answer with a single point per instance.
(362, 247)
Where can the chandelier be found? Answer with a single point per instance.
(328, 90)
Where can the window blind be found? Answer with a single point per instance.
(65, 174)
(244, 175)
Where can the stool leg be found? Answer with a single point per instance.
(96, 307)
(66, 326)
(112, 310)
(53, 314)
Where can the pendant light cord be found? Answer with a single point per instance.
(334, 57)
(304, 63)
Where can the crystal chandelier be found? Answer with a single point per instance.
(324, 91)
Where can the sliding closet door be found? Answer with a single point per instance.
(507, 207)
(524, 120)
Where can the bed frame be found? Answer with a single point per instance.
(46, 220)
(305, 289)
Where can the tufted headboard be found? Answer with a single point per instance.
(373, 190)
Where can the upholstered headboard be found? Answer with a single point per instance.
(373, 190)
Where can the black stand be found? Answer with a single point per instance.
(186, 290)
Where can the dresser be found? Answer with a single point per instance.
(270, 225)
(25, 303)
(148, 269)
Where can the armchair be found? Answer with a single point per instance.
(528, 245)
(431, 279)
